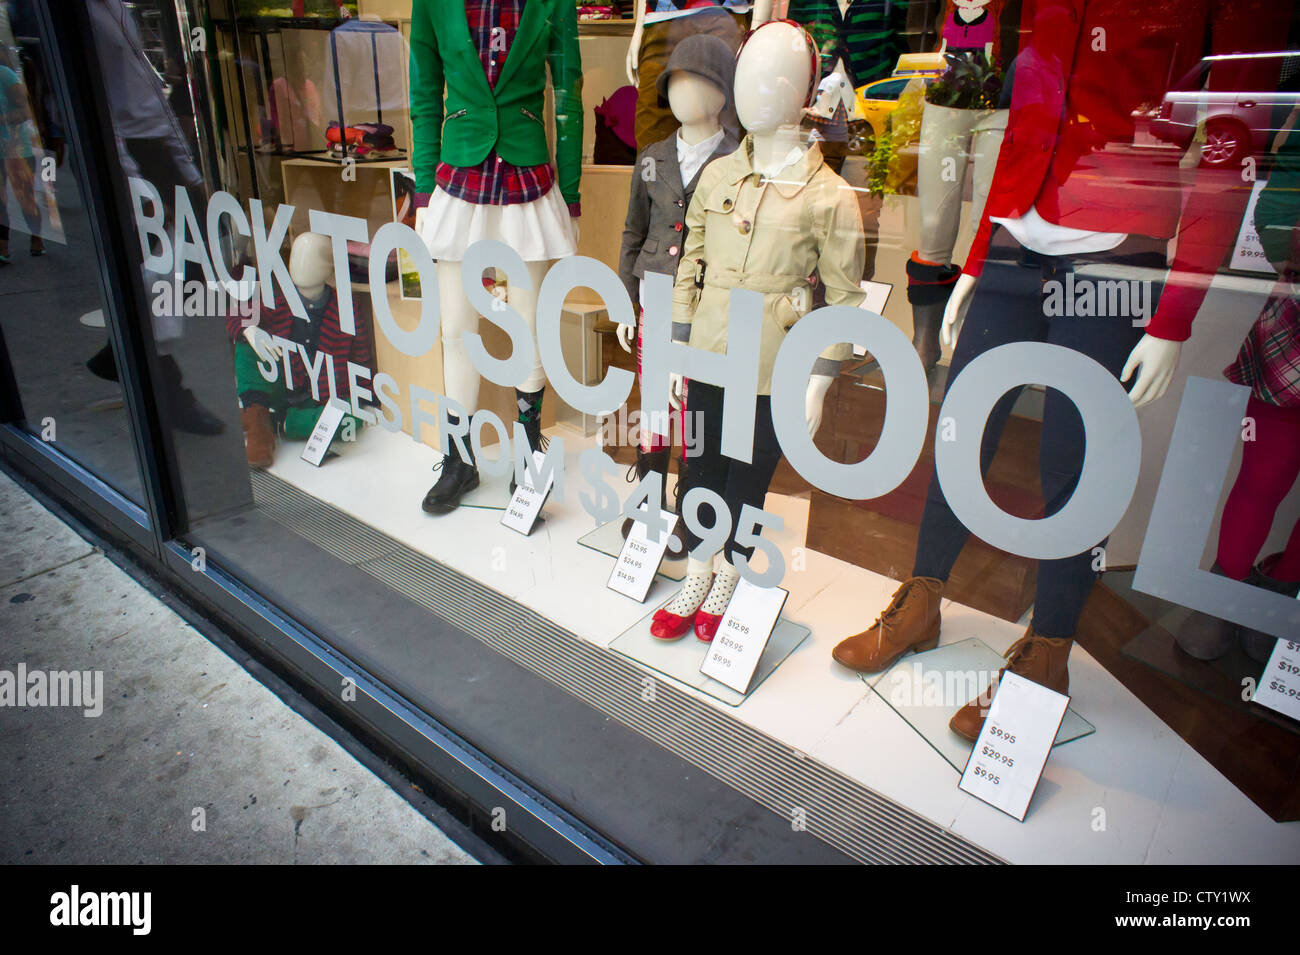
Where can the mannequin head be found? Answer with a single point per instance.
(693, 99)
(775, 74)
(311, 263)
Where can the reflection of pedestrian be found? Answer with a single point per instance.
(152, 147)
(17, 156)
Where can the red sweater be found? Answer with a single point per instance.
(1085, 67)
(338, 346)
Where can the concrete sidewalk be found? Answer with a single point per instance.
(191, 759)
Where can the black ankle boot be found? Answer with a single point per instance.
(457, 479)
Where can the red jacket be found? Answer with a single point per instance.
(1086, 66)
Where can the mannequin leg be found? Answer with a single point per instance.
(460, 377)
(945, 151)
(456, 476)
(1269, 467)
(530, 392)
(1005, 307)
(1063, 585)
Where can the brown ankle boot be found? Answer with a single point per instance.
(259, 436)
(1041, 659)
(910, 622)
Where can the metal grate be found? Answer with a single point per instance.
(856, 820)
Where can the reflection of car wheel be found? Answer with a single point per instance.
(862, 140)
(1227, 143)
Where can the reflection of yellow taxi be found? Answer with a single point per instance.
(876, 100)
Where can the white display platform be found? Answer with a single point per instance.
(954, 673)
(681, 659)
(1162, 801)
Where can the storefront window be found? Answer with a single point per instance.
(51, 297)
(785, 380)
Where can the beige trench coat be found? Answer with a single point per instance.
(769, 236)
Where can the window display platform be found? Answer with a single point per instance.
(828, 745)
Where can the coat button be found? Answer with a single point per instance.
(745, 227)
(677, 227)
(726, 205)
(672, 250)
(680, 203)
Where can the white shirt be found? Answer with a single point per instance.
(691, 159)
(1046, 238)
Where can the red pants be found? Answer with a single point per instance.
(649, 440)
(1269, 467)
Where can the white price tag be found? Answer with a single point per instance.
(639, 560)
(1012, 749)
(1279, 687)
(877, 296)
(743, 634)
(525, 507)
(327, 425)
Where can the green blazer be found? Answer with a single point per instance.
(476, 118)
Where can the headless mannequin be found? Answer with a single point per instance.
(773, 74)
(1153, 360)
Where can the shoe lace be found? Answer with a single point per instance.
(895, 609)
(1021, 653)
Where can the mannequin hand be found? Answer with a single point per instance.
(954, 313)
(675, 388)
(263, 344)
(1154, 360)
(814, 400)
(625, 337)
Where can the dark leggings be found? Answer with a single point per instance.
(738, 483)
(1008, 306)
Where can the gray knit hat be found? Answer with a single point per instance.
(704, 55)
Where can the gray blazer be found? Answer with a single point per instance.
(655, 231)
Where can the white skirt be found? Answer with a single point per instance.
(539, 230)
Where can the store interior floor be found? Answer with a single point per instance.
(1132, 792)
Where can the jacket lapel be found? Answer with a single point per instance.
(459, 40)
(530, 30)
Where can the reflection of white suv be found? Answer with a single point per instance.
(1237, 124)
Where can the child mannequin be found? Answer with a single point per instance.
(767, 216)
(697, 84)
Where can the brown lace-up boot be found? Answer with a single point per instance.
(910, 622)
(1041, 659)
(259, 436)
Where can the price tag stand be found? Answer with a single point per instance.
(1279, 687)
(1012, 749)
(526, 506)
(322, 436)
(742, 635)
(638, 562)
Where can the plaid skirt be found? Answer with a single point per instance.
(1269, 360)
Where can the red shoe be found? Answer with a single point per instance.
(669, 626)
(706, 625)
